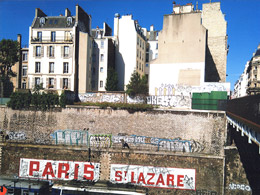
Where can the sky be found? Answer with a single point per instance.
(242, 18)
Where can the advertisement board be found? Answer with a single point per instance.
(58, 170)
(158, 177)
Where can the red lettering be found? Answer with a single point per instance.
(170, 178)
(76, 171)
(89, 172)
(160, 180)
(149, 180)
(32, 169)
(60, 170)
(119, 175)
(180, 180)
(141, 178)
(48, 170)
(132, 177)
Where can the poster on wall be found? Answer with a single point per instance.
(158, 177)
(58, 170)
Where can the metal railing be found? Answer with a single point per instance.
(60, 39)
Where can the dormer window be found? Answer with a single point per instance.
(69, 21)
(42, 21)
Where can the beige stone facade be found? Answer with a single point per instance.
(214, 21)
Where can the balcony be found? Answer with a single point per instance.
(61, 39)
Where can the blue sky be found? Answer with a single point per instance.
(242, 16)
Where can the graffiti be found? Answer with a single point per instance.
(208, 192)
(70, 137)
(176, 89)
(135, 100)
(102, 97)
(170, 101)
(99, 141)
(17, 135)
(244, 187)
(158, 177)
(81, 137)
(176, 145)
(58, 170)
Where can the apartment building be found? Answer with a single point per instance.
(254, 73)
(20, 67)
(130, 51)
(60, 51)
(103, 56)
(240, 87)
(190, 49)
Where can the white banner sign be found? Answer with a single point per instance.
(58, 170)
(160, 177)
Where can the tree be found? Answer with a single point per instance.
(8, 57)
(112, 80)
(137, 85)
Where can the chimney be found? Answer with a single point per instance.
(39, 13)
(19, 40)
(67, 12)
(151, 28)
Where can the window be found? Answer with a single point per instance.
(137, 52)
(24, 56)
(37, 80)
(23, 85)
(67, 36)
(65, 67)
(39, 36)
(136, 65)
(42, 20)
(147, 65)
(66, 51)
(137, 40)
(51, 67)
(147, 58)
(37, 67)
(53, 36)
(102, 57)
(69, 21)
(38, 51)
(65, 83)
(51, 51)
(101, 69)
(94, 58)
(102, 44)
(101, 84)
(156, 45)
(156, 55)
(24, 71)
(51, 82)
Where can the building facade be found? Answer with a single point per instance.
(254, 73)
(103, 56)
(130, 45)
(240, 88)
(59, 47)
(185, 45)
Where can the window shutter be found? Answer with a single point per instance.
(47, 82)
(42, 51)
(55, 83)
(70, 51)
(61, 83)
(48, 51)
(53, 51)
(69, 84)
(62, 51)
(34, 51)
